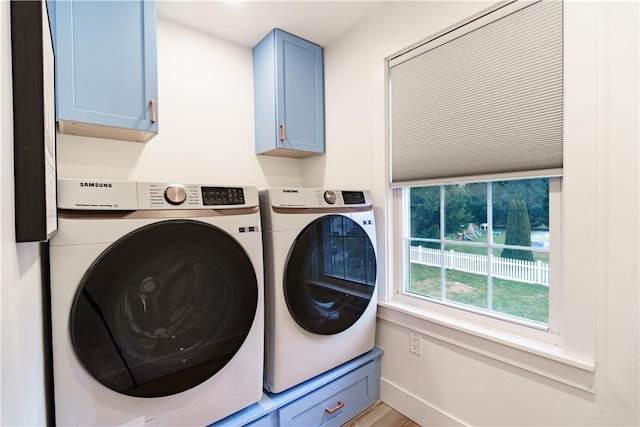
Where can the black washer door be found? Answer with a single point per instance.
(164, 308)
(330, 275)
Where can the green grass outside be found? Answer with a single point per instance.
(518, 299)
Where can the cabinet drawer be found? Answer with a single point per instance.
(348, 396)
(269, 420)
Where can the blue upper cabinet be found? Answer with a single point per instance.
(288, 81)
(106, 68)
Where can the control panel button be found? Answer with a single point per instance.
(175, 195)
(330, 197)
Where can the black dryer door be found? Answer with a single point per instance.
(164, 308)
(330, 275)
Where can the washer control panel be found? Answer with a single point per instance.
(156, 195)
(215, 196)
(128, 195)
(166, 196)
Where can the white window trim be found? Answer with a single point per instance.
(572, 360)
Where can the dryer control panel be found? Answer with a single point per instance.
(284, 197)
(129, 195)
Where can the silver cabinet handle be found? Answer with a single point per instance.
(283, 132)
(153, 111)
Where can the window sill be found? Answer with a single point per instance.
(547, 360)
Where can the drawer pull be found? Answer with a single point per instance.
(283, 132)
(339, 406)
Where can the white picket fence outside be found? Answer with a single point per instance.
(536, 272)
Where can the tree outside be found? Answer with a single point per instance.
(518, 232)
(535, 194)
(467, 203)
(425, 212)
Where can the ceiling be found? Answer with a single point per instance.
(247, 22)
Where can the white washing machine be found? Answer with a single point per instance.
(320, 278)
(157, 303)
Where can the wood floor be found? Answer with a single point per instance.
(381, 415)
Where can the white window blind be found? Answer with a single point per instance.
(483, 99)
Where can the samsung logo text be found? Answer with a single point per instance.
(96, 184)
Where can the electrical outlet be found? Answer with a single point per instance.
(415, 343)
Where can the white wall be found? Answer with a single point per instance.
(449, 384)
(206, 131)
(22, 398)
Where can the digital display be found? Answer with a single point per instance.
(217, 196)
(353, 197)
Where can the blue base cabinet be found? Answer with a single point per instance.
(330, 399)
(106, 68)
(288, 82)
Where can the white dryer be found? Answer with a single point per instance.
(320, 278)
(157, 303)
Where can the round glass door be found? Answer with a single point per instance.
(164, 308)
(330, 275)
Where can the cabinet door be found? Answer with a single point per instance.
(300, 93)
(106, 64)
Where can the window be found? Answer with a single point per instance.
(483, 247)
(428, 149)
(476, 154)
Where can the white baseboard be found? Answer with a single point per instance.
(414, 407)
